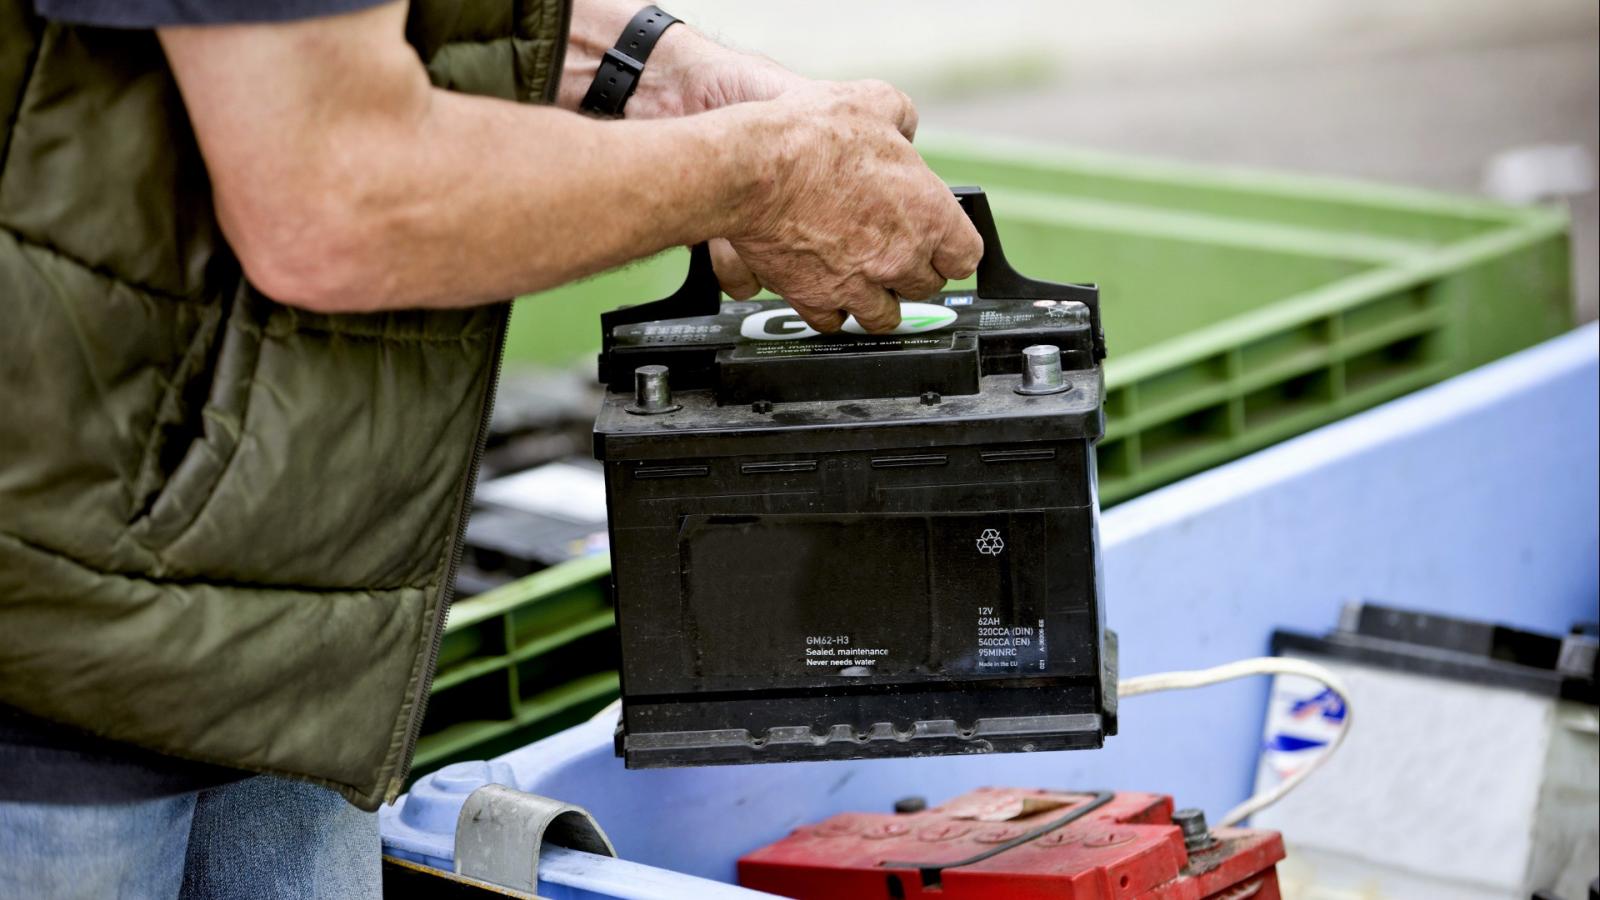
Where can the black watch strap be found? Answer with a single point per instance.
(622, 65)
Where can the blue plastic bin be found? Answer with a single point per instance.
(1476, 497)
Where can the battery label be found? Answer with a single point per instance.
(784, 324)
(839, 652)
(775, 322)
(769, 349)
(867, 596)
(1008, 645)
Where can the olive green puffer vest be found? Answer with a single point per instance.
(226, 526)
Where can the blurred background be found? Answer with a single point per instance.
(1476, 96)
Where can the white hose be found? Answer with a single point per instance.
(1263, 665)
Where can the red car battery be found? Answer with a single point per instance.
(1022, 844)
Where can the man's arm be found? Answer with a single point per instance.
(688, 72)
(346, 182)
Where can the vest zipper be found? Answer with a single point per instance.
(419, 706)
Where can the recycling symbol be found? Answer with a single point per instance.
(990, 543)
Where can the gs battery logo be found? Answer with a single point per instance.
(784, 324)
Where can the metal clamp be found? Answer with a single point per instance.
(500, 832)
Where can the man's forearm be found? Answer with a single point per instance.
(594, 29)
(687, 72)
(388, 193)
(484, 199)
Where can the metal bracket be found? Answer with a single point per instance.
(500, 832)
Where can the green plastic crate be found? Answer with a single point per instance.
(1240, 308)
(520, 662)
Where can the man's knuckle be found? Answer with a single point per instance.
(881, 270)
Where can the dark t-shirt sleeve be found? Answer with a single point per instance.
(156, 13)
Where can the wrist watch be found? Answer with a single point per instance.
(622, 65)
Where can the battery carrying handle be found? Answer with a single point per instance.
(701, 293)
(997, 280)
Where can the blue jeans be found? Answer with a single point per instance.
(262, 837)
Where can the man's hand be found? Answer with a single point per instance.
(687, 74)
(726, 77)
(852, 219)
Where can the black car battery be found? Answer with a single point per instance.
(857, 545)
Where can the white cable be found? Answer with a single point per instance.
(1263, 665)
